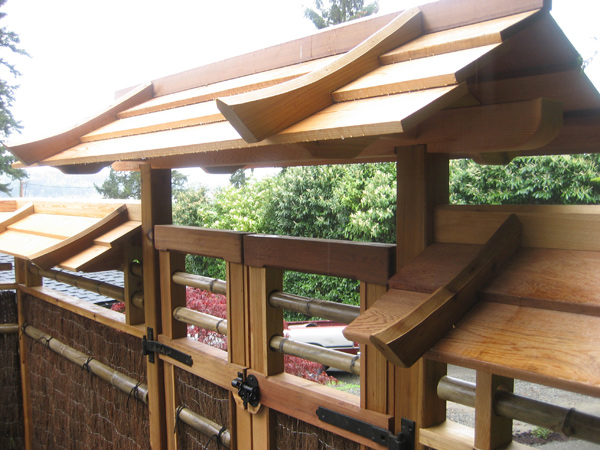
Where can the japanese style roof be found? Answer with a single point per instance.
(488, 80)
(72, 236)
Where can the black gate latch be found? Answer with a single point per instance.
(247, 389)
(150, 347)
(403, 441)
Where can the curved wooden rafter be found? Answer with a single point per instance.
(260, 114)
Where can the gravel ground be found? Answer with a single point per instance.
(522, 431)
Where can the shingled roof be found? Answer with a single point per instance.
(489, 81)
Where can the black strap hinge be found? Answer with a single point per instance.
(403, 441)
(150, 347)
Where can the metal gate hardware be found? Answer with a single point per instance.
(150, 347)
(247, 389)
(403, 441)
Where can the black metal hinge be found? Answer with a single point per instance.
(150, 347)
(403, 441)
(247, 389)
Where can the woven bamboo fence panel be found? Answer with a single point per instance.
(293, 433)
(11, 400)
(206, 399)
(72, 408)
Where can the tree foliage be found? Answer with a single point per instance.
(333, 12)
(127, 185)
(9, 45)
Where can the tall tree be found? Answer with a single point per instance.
(127, 185)
(9, 43)
(333, 12)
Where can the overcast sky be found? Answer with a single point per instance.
(82, 51)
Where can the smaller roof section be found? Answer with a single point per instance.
(72, 236)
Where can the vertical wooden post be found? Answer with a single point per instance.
(423, 182)
(238, 347)
(491, 431)
(156, 210)
(133, 284)
(172, 296)
(23, 277)
(376, 374)
(265, 322)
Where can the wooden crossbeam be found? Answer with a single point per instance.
(403, 325)
(260, 114)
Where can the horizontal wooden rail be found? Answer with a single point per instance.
(213, 285)
(9, 328)
(338, 312)
(365, 261)
(222, 244)
(201, 320)
(203, 425)
(569, 422)
(315, 353)
(106, 373)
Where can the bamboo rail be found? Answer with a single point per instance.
(337, 312)
(203, 425)
(569, 422)
(315, 353)
(115, 378)
(213, 285)
(201, 319)
(98, 287)
(9, 328)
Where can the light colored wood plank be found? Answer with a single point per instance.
(186, 116)
(77, 262)
(409, 335)
(120, 232)
(16, 216)
(553, 348)
(371, 262)
(223, 244)
(260, 114)
(303, 397)
(491, 431)
(425, 73)
(560, 280)
(75, 208)
(171, 403)
(172, 295)
(476, 35)
(53, 226)
(237, 314)
(9, 206)
(448, 436)
(558, 227)
(34, 151)
(225, 88)
(23, 244)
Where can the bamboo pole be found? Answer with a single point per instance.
(137, 299)
(569, 422)
(338, 312)
(137, 269)
(203, 425)
(201, 320)
(9, 328)
(315, 353)
(213, 285)
(115, 378)
(99, 287)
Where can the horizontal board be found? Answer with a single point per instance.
(369, 262)
(425, 73)
(24, 245)
(81, 260)
(559, 227)
(222, 244)
(59, 227)
(448, 436)
(118, 233)
(553, 348)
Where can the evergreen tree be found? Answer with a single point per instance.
(333, 12)
(9, 44)
(128, 185)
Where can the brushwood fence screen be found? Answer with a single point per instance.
(72, 408)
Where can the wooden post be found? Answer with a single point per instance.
(133, 284)
(265, 322)
(423, 182)
(491, 431)
(172, 402)
(23, 277)
(156, 210)
(238, 342)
